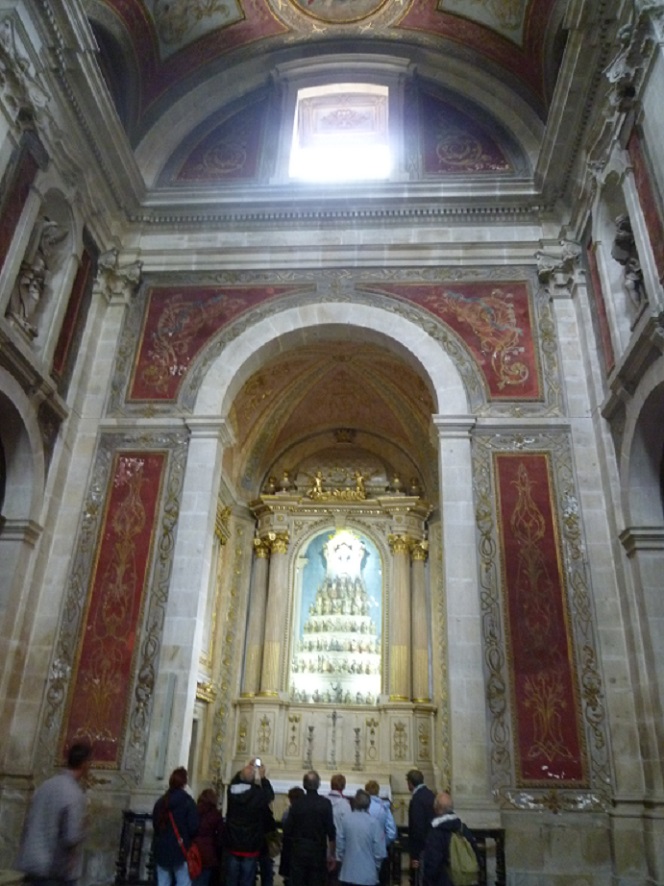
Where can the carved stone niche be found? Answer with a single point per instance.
(624, 251)
(33, 286)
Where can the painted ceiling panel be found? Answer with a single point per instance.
(174, 40)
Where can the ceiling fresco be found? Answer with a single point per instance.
(177, 40)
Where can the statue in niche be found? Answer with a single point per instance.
(341, 617)
(625, 253)
(39, 262)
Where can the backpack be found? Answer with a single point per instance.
(464, 869)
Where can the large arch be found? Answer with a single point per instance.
(308, 323)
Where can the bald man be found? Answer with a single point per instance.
(435, 857)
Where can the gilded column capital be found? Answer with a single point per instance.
(420, 550)
(278, 542)
(399, 543)
(261, 548)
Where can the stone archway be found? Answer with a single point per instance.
(258, 346)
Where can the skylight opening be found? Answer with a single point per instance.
(340, 133)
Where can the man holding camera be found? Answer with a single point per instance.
(249, 798)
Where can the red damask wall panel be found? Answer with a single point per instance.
(599, 314)
(547, 716)
(102, 676)
(178, 323)
(651, 210)
(495, 322)
(15, 190)
(74, 321)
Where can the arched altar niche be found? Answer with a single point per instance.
(339, 562)
(337, 625)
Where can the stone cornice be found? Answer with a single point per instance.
(642, 538)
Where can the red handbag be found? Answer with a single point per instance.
(192, 855)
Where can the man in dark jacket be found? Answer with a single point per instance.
(309, 828)
(169, 853)
(420, 813)
(249, 797)
(435, 858)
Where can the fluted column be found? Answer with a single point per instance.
(420, 623)
(275, 617)
(399, 688)
(257, 618)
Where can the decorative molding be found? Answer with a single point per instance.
(20, 530)
(642, 538)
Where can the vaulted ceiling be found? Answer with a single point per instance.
(169, 47)
(171, 65)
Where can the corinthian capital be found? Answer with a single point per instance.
(117, 283)
(556, 266)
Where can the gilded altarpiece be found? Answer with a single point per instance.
(103, 674)
(332, 707)
(544, 688)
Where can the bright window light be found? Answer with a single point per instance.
(340, 133)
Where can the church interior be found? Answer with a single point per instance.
(332, 410)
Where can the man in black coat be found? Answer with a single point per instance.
(249, 798)
(435, 858)
(309, 828)
(420, 815)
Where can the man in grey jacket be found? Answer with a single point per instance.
(50, 853)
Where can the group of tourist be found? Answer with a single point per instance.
(327, 840)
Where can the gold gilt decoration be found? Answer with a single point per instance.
(420, 550)
(243, 729)
(206, 692)
(317, 491)
(261, 548)
(399, 544)
(400, 741)
(372, 738)
(278, 542)
(294, 735)
(423, 742)
(264, 735)
(221, 527)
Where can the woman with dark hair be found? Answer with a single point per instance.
(174, 810)
(208, 838)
